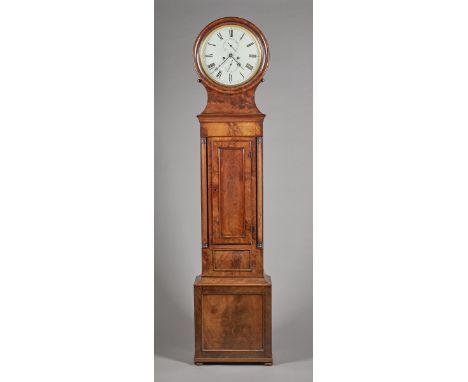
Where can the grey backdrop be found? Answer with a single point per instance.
(286, 99)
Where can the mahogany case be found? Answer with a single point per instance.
(232, 294)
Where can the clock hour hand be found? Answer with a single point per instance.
(231, 46)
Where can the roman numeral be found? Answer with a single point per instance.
(250, 55)
(211, 44)
(211, 66)
(231, 33)
(242, 36)
(248, 66)
(220, 73)
(230, 77)
(250, 44)
(241, 74)
(211, 55)
(219, 35)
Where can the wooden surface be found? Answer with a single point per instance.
(229, 260)
(231, 194)
(232, 295)
(231, 129)
(204, 201)
(233, 320)
(259, 203)
(233, 281)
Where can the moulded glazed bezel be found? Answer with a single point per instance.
(198, 47)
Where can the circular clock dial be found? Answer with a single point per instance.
(230, 55)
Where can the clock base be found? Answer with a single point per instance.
(233, 320)
(226, 360)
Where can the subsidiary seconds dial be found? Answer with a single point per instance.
(230, 55)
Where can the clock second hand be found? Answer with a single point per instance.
(230, 64)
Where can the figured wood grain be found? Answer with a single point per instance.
(231, 191)
(232, 260)
(231, 129)
(230, 117)
(233, 319)
(243, 103)
(232, 200)
(211, 265)
(233, 322)
(263, 281)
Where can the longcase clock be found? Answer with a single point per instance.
(232, 294)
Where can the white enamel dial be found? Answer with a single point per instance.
(230, 55)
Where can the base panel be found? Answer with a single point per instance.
(233, 320)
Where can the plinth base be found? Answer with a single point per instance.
(209, 361)
(233, 320)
